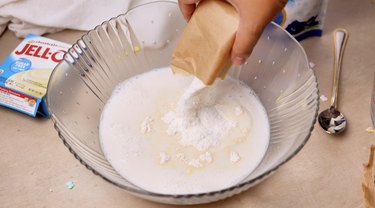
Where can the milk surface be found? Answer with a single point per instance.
(229, 133)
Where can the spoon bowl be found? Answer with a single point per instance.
(332, 121)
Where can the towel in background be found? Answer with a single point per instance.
(48, 16)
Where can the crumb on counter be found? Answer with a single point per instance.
(69, 184)
(323, 98)
(370, 130)
(312, 65)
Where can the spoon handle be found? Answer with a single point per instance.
(340, 37)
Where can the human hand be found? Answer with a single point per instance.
(254, 16)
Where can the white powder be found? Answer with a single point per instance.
(206, 157)
(199, 162)
(146, 125)
(197, 119)
(234, 157)
(180, 156)
(195, 163)
(238, 111)
(164, 157)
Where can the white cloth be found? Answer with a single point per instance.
(48, 16)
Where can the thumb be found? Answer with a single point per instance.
(187, 8)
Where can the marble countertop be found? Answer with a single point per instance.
(35, 165)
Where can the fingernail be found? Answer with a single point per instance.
(237, 60)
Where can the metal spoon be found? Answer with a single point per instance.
(332, 120)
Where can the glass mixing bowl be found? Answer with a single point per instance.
(143, 39)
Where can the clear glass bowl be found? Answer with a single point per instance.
(143, 39)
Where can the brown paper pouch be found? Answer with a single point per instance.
(205, 45)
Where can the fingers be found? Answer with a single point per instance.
(246, 37)
(187, 8)
(254, 16)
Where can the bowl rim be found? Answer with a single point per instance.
(197, 195)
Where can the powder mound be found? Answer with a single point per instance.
(197, 119)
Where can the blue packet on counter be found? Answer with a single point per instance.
(25, 73)
(303, 18)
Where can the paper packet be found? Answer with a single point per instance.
(205, 45)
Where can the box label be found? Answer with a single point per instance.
(25, 73)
